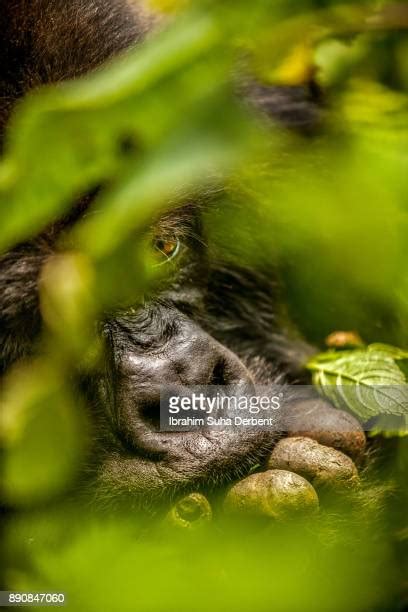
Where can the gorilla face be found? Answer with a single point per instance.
(182, 338)
(207, 324)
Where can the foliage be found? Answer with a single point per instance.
(330, 213)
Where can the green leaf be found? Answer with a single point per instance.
(96, 114)
(42, 432)
(368, 382)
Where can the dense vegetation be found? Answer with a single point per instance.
(160, 123)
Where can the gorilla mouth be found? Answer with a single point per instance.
(167, 463)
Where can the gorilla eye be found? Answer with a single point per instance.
(166, 249)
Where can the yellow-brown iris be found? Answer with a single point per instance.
(166, 248)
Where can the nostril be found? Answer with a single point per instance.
(218, 373)
(149, 412)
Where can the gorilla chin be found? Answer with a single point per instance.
(192, 461)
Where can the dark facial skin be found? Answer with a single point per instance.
(208, 324)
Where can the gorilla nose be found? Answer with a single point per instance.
(189, 357)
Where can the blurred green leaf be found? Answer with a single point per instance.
(290, 567)
(42, 432)
(124, 99)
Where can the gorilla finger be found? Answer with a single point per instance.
(317, 419)
(321, 465)
(274, 494)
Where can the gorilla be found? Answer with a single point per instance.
(214, 323)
